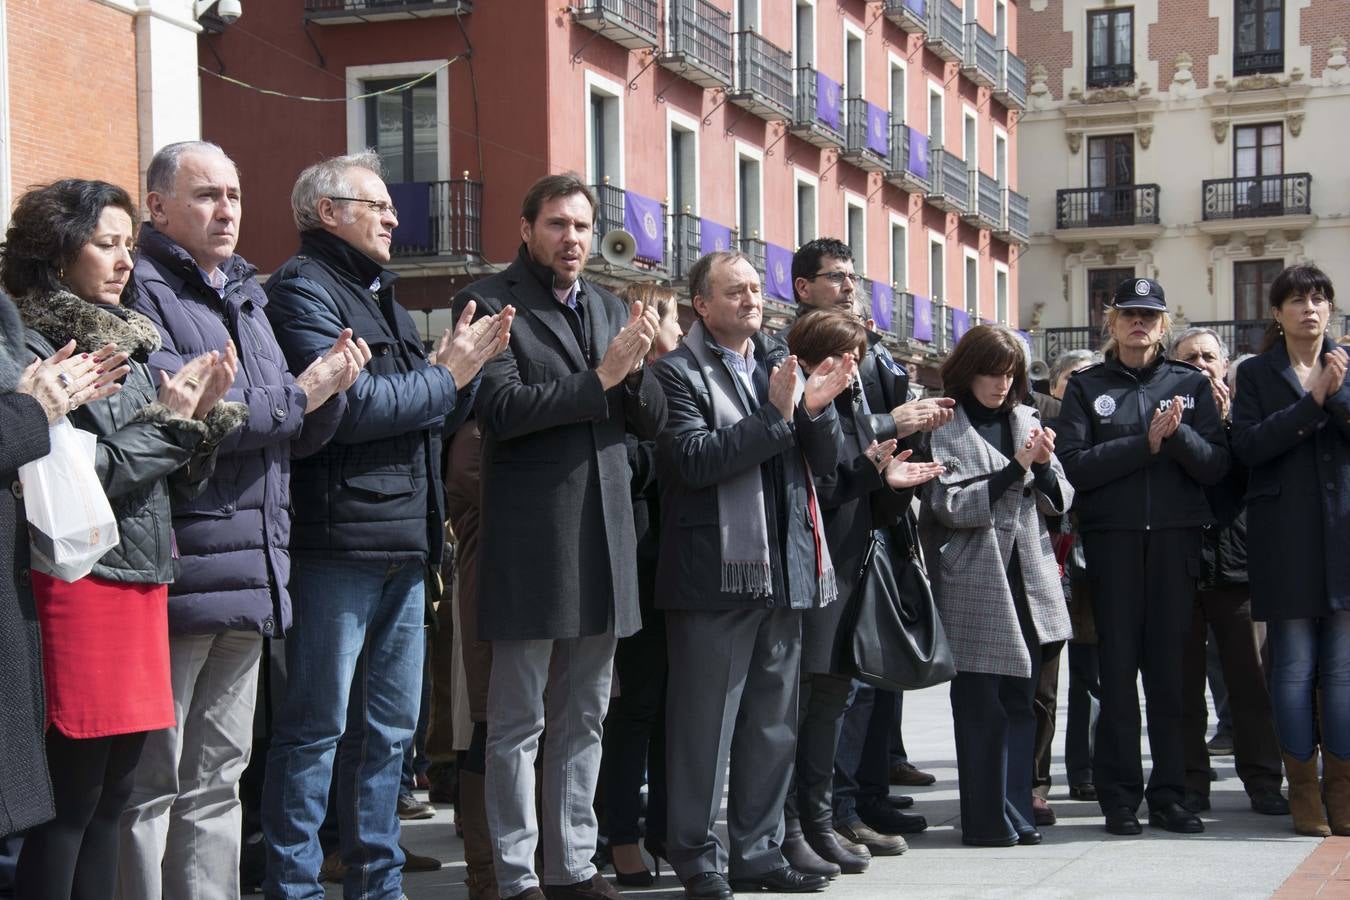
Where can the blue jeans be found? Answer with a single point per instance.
(354, 663)
(1306, 654)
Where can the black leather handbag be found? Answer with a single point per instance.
(897, 643)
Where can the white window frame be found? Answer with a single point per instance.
(1004, 5)
(968, 114)
(598, 84)
(802, 177)
(676, 120)
(937, 237)
(854, 201)
(901, 223)
(749, 151)
(1002, 136)
(935, 89)
(357, 76)
(896, 62)
(853, 30)
(1002, 270)
(797, 61)
(968, 254)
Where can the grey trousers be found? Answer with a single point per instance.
(732, 697)
(181, 827)
(561, 687)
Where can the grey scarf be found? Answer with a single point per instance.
(13, 358)
(744, 534)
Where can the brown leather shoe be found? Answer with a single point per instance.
(880, 844)
(595, 888)
(530, 893)
(416, 862)
(1041, 811)
(906, 774)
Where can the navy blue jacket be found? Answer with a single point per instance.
(233, 537)
(1298, 492)
(375, 491)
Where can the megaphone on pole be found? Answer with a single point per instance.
(618, 247)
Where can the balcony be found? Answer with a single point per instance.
(946, 36)
(686, 242)
(908, 169)
(949, 181)
(984, 209)
(815, 115)
(911, 15)
(628, 23)
(754, 250)
(1125, 211)
(867, 130)
(1262, 197)
(1015, 221)
(1011, 87)
(612, 214)
(1114, 75)
(347, 12)
(1258, 62)
(763, 77)
(438, 219)
(979, 61)
(698, 43)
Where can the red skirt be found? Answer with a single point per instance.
(105, 655)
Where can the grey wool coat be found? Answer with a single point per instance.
(969, 546)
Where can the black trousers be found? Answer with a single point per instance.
(822, 701)
(1142, 592)
(862, 763)
(74, 856)
(635, 735)
(1228, 611)
(1045, 703)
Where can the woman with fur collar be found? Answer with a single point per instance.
(67, 262)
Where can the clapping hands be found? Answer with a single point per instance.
(1038, 447)
(335, 371)
(1332, 377)
(900, 474)
(1164, 424)
(629, 347)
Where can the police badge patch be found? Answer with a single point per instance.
(1104, 405)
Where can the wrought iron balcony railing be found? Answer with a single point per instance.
(439, 218)
(984, 209)
(609, 216)
(344, 12)
(1110, 76)
(949, 181)
(979, 61)
(763, 77)
(1099, 207)
(862, 146)
(1258, 61)
(1250, 198)
(1015, 222)
(946, 36)
(755, 251)
(629, 23)
(698, 42)
(811, 111)
(1011, 87)
(686, 241)
(911, 15)
(908, 167)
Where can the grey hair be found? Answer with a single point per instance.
(1196, 332)
(162, 174)
(1231, 377)
(1069, 361)
(328, 178)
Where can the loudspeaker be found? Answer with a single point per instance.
(1038, 370)
(618, 247)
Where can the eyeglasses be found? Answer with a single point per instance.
(836, 278)
(378, 206)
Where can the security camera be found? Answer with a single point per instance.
(226, 10)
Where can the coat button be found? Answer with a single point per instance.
(23, 577)
(268, 626)
(384, 351)
(279, 413)
(17, 490)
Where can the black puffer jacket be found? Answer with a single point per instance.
(1103, 445)
(140, 441)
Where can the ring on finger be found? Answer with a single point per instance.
(192, 382)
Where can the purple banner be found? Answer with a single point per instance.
(960, 324)
(827, 100)
(778, 272)
(878, 130)
(644, 219)
(883, 304)
(918, 154)
(413, 199)
(916, 6)
(923, 318)
(1026, 341)
(713, 237)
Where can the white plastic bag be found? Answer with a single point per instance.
(71, 524)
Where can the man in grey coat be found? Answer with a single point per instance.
(557, 553)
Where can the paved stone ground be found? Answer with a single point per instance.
(1241, 854)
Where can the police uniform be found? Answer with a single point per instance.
(1141, 515)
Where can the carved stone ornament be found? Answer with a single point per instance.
(1256, 244)
(1220, 129)
(1036, 314)
(1075, 140)
(1076, 248)
(1295, 120)
(1338, 67)
(1209, 280)
(1110, 95)
(1145, 136)
(1258, 83)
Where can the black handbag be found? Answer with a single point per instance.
(897, 643)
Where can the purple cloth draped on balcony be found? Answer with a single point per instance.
(644, 219)
(413, 199)
(1026, 341)
(713, 237)
(883, 305)
(923, 318)
(827, 100)
(917, 165)
(917, 6)
(960, 324)
(878, 130)
(778, 272)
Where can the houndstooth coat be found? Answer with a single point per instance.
(969, 547)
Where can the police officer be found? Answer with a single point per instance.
(1140, 436)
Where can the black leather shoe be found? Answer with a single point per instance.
(828, 848)
(1196, 801)
(900, 801)
(1176, 818)
(1122, 820)
(786, 880)
(708, 886)
(803, 857)
(1009, 841)
(1269, 802)
(884, 818)
(1028, 837)
(594, 888)
(1085, 791)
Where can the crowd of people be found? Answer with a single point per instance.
(659, 546)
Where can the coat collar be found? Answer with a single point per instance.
(1279, 358)
(61, 317)
(345, 259)
(976, 457)
(532, 290)
(175, 262)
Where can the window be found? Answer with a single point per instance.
(1110, 47)
(806, 34)
(899, 255)
(1259, 36)
(683, 164)
(806, 209)
(1251, 288)
(1258, 154)
(747, 15)
(1001, 26)
(403, 129)
(970, 137)
(1000, 158)
(749, 186)
(604, 131)
(1001, 293)
(937, 252)
(1102, 285)
(853, 62)
(972, 284)
(972, 10)
(934, 116)
(897, 89)
(855, 230)
(1111, 172)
